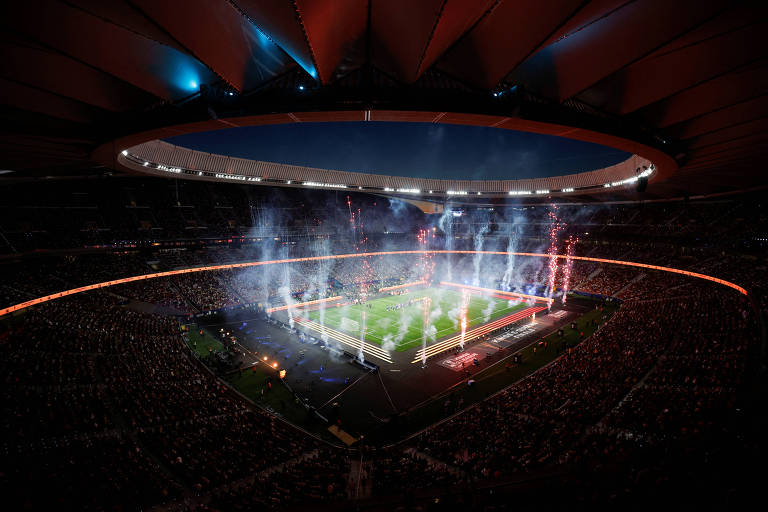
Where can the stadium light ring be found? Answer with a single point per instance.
(228, 266)
(663, 164)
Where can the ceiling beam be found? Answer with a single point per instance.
(739, 113)
(670, 71)
(567, 67)
(745, 83)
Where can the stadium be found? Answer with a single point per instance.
(383, 255)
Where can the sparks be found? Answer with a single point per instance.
(427, 264)
(365, 277)
(427, 303)
(555, 226)
(360, 354)
(568, 266)
(464, 305)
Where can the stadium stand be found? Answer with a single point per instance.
(102, 396)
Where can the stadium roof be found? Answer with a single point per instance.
(681, 83)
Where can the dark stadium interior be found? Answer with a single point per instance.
(383, 311)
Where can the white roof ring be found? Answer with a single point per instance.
(145, 152)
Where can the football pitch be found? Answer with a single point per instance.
(401, 329)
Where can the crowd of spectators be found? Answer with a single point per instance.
(205, 291)
(87, 370)
(394, 470)
(104, 408)
(662, 373)
(318, 476)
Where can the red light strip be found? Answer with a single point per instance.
(499, 292)
(302, 304)
(346, 339)
(475, 333)
(105, 284)
(397, 287)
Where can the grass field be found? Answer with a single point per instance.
(495, 377)
(202, 343)
(403, 328)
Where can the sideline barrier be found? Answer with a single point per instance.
(106, 284)
(499, 292)
(399, 286)
(471, 335)
(345, 339)
(302, 304)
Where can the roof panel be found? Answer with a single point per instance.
(424, 30)
(334, 28)
(675, 67)
(736, 145)
(47, 70)
(574, 63)
(748, 129)
(729, 116)
(156, 68)
(506, 36)
(585, 16)
(398, 51)
(22, 96)
(279, 21)
(221, 37)
(455, 20)
(124, 14)
(746, 83)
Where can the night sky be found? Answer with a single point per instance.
(409, 149)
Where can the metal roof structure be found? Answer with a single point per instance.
(160, 158)
(681, 83)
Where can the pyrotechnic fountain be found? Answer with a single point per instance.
(464, 304)
(509, 270)
(364, 278)
(568, 266)
(321, 280)
(360, 355)
(555, 225)
(445, 223)
(427, 263)
(427, 267)
(427, 303)
(478, 256)
(285, 293)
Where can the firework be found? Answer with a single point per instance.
(365, 277)
(464, 304)
(427, 303)
(360, 355)
(401, 286)
(568, 265)
(555, 226)
(426, 262)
